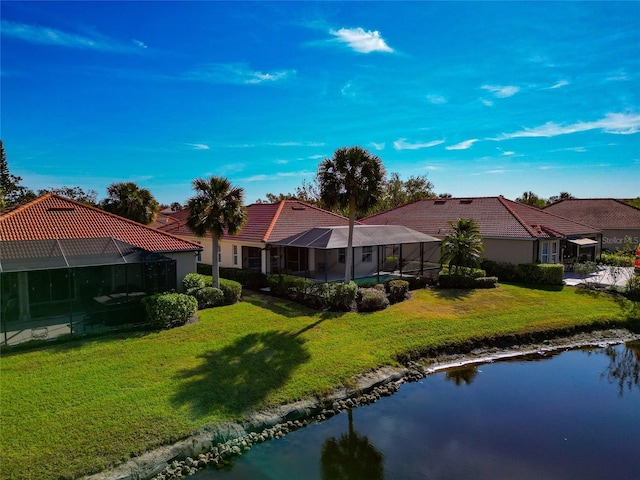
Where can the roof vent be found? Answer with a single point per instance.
(298, 207)
(466, 201)
(61, 209)
(439, 202)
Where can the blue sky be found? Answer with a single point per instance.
(483, 98)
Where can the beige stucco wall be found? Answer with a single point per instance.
(511, 251)
(613, 239)
(185, 263)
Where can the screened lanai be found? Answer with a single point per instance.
(380, 253)
(53, 287)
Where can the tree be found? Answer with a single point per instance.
(74, 193)
(398, 192)
(11, 192)
(463, 246)
(130, 201)
(532, 199)
(352, 178)
(217, 207)
(557, 198)
(176, 207)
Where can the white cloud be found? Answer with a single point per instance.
(316, 157)
(139, 43)
(436, 99)
(462, 145)
(362, 41)
(198, 146)
(508, 153)
(614, 123)
(378, 146)
(50, 36)
(402, 144)
(236, 74)
(487, 103)
(263, 177)
(296, 144)
(561, 83)
(502, 91)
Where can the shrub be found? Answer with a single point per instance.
(231, 290)
(507, 272)
(540, 273)
(209, 297)
(192, 282)
(371, 300)
(617, 259)
(461, 281)
(463, 271)
(204, 269)
(416, 283)
(632, 290)
(342, 296)
(169, 309)
(398, 290)
(251, 279)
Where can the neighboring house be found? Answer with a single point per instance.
(511, 231)
(618, 221)
(282, 237)
(65, 266)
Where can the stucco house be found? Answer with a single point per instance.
(296, 238)
(618, 221)
(512, 232)
(66, 266)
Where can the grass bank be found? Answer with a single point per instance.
(79, 407)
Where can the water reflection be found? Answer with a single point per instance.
(351, 457)
(624, 366)
(460, 375)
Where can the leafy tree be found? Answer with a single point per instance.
(463, 246)
(216, 208)
(130, 201)
(444, 195)
(352, 178)
(11, 192)
(75, 193)
(398, 192)
(176, 207)
(308, 193)
(634, 202)
(532, 199)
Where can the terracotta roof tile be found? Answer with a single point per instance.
(52, 216)
(601, 213)
(496, 217)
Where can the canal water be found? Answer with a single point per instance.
(572, 415)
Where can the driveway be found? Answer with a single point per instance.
(607, 276)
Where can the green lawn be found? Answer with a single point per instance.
(79, 407)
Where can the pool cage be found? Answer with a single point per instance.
(55, 287)
(380, 253)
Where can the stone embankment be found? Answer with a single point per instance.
(214, 446)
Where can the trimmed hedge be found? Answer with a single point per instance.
(333, 296)
(250, 279)
(398, 290)
(169, 309)
(193, 281)
(208, 297)
(231, 290)
(446, 280)
(531, 273)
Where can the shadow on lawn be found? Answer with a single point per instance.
(239, 377)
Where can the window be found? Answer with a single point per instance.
(219, 253)
(342, 255)
(554, 252)
(367, 254)
(544, 254)
(235, 255)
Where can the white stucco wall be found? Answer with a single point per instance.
(185, 263)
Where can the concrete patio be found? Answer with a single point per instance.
(605, 276)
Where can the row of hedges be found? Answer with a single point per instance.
(338, 296)
(452, 280)
(168, 310)
(201, 287)
(531, 273)
(251, 279)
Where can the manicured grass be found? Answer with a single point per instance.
(79, 407)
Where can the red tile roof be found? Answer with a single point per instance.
(599, 212)
(496, 217)
(54, 217)
(269, 222)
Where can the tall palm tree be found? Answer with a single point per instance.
(463, 246)
(216, 208)
(352, 179)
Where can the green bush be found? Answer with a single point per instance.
(342, 296)
(192, 282)
(463, 271)
(632, 290)
(371, 300)
(398, 290)
(617, 259)
(335, 296)
(169, 309)
(506, 272)
(208, 297)
(540, 273)
(251, 279)
(231, 290)
(446, 280)
(204, 269)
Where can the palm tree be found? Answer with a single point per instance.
(463, 246)
(352, 179)
(128, 200)
(216, 208)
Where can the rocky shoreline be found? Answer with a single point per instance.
(211, 446)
